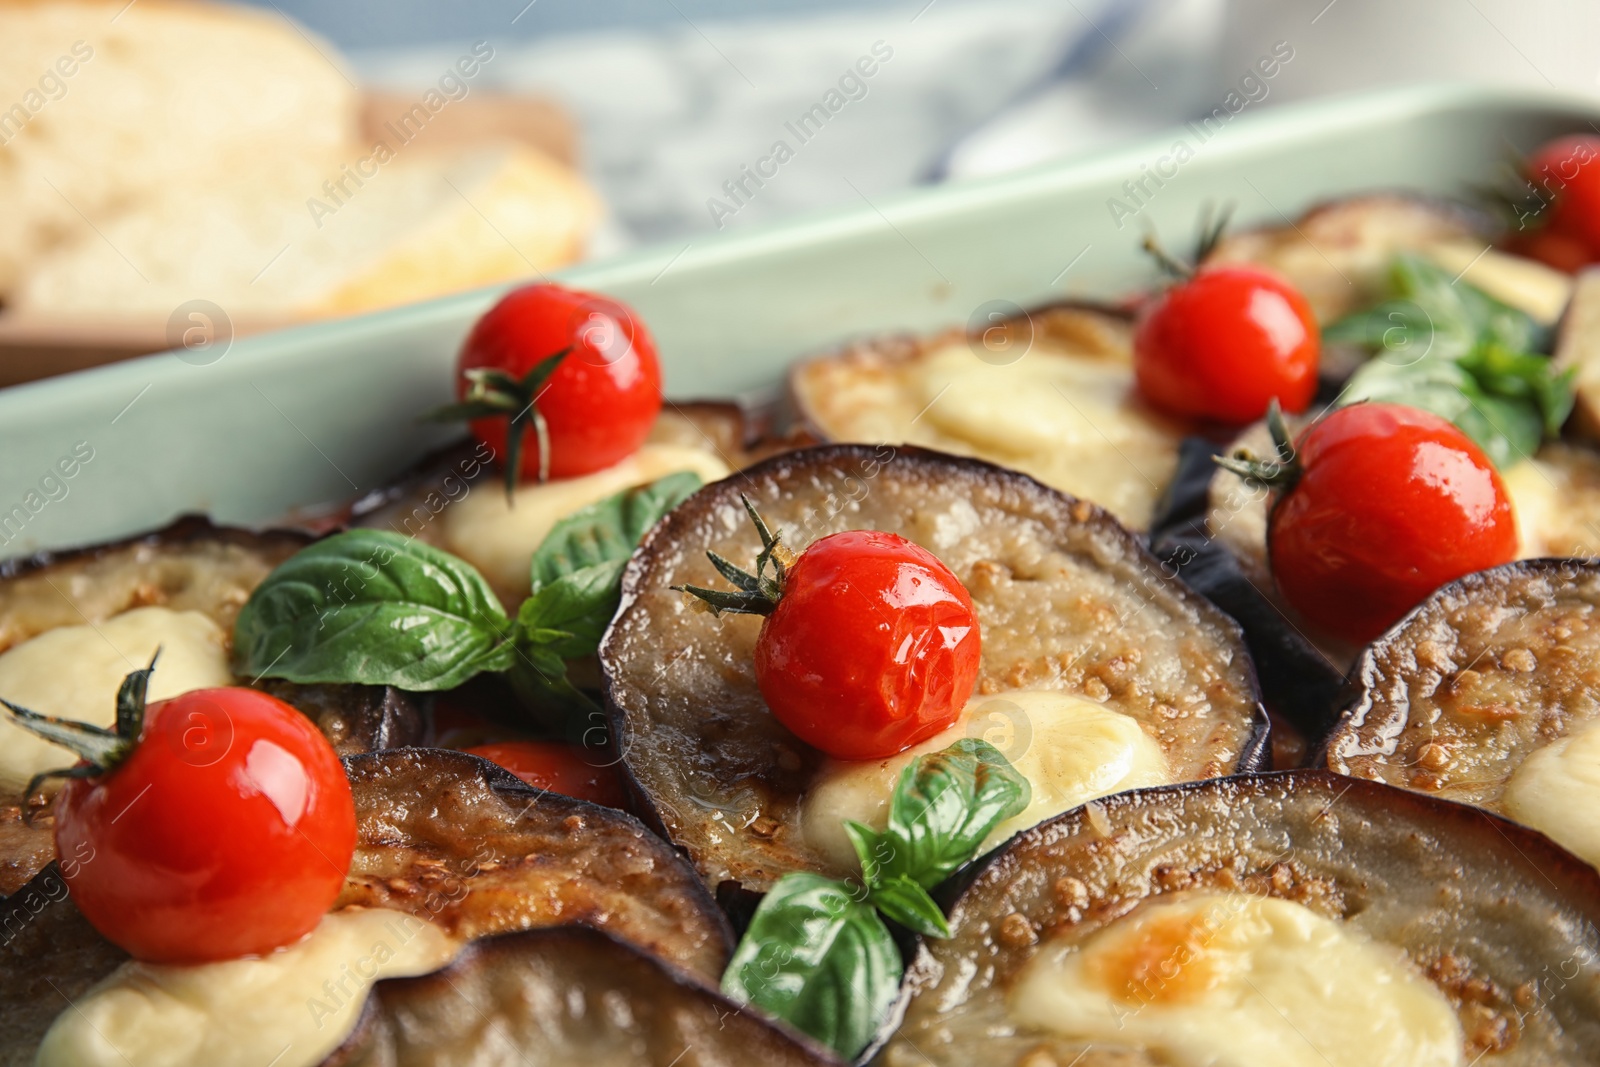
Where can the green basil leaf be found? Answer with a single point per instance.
(905, 901)
(944, 805)
(608, 529)
(819, 958)
(1512, 375)
(1434, 314)
(373, 607)
(570, 614)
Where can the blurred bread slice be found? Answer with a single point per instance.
(161, 95)
(426, 224)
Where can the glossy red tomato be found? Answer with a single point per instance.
(1226, 342)
(872, 648)
(1554, 247)
(1391, 503)
(1566, 171)
(557, 767)
(602, 399)
(226, 832)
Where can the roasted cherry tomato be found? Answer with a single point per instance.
(1566, 172)
(599, 403)
(557, 767)
(870, 643)
(1224, 343)
(226, 831)
(1384, 504)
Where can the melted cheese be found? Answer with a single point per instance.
(1536, 502)
(1556, 791)
(1071, 750)
(1233, 980)
(1074, 424)
(74, 672)
(289, 1009)
(499, 539)
(1526, 284)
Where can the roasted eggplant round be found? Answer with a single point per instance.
(1337, 253)
(1292, 918)
(564, 997)
(1487, 694)
(456, 839)
(1069, 603)
(444, 836)
(102, 610)
(1049, 392)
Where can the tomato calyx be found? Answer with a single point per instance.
(1212, 227)
(102, 750)
(492, 392)
(1278, 475)
(757, 593)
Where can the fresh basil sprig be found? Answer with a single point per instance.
(375, 607)
(944, 805)
(577, 581)
(817, 954)
(609, 529)
(1450, 348)
(819, 958)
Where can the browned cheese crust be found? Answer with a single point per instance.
(1456, 696)
(1067, 600)
(1498, 918)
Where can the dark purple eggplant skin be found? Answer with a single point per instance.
(1470, 897)
(729, 752)
(565, 996)
(1297, 681)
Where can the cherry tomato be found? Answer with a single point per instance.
(1391, 503)
(226, 832)
(602, 399)
(872, 648)
(1225, 343)
(1554, 247)
(557, 767)
(1567, 172)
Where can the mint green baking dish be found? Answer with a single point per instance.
(308, 415)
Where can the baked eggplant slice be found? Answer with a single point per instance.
(1048, 392)
(444, 836)
(1219, 546)
(73, 623)
(455, 499)
(190, 565)
(456, 839)
(1291, 918)
(1486, 694)
(1338, 253)
(564, 997)
(1073, 610)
